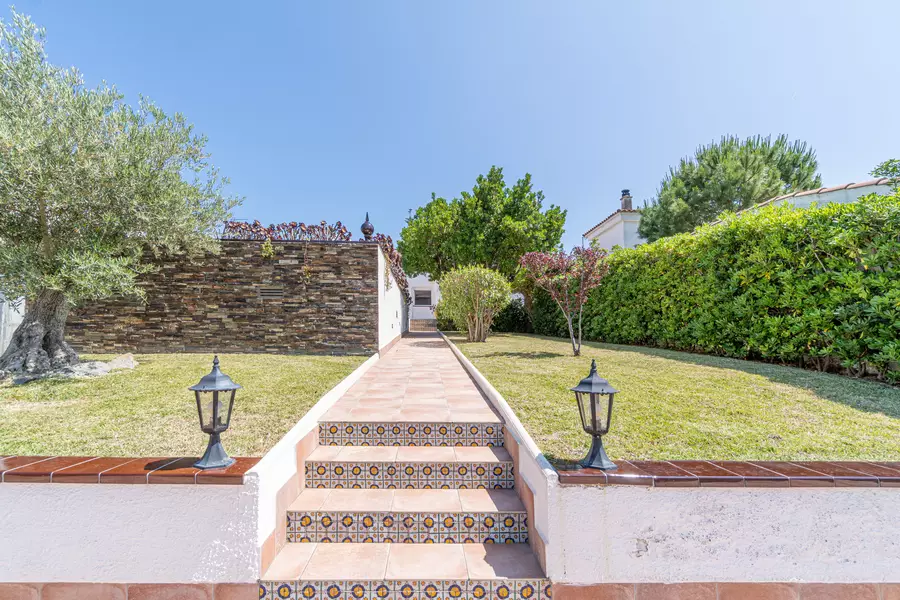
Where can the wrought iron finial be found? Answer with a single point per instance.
(367, 229)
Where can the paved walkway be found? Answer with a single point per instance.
(410, 493)
(419, 380)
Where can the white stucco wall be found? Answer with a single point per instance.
(280, 463)
(635, 534)
(392, 320)
(620, 230)
(10, 317)
(128, 533)
(422, 282)
(151, 533)
(839, 196)
(533, 466)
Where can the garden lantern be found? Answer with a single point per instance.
(215, 399)
(595, 403)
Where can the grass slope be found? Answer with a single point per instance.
(675, 405)
(150, 412)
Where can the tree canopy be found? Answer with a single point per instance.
(493, 225)
(473, 295)
(88, 185)
(728, 175)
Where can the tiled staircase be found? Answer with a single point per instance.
(423, 325)
(398, 508)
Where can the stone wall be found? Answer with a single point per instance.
(312, 297)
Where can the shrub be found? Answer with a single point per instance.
(444, 323)
(817, 287)
(546, 317)
(473, 296)
(513, 319)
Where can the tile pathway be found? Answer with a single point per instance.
(410, 493)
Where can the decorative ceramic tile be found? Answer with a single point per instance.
(421, 528)
(382, 475)
(507, 589)
(265, 591)
(282, 590)
(410, 434)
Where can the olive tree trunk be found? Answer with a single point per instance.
(37, 345)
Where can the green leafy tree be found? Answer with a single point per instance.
(730, 175)
(889, 168)
(474, 296)
(89, 186)
(493, 225)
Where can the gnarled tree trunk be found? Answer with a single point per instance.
(37, 345)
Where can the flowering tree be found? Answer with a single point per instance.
(568, 278)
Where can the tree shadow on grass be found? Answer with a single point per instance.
(526, 355)
(861, 394)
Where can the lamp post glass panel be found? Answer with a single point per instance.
(215, 399)
(595, 401)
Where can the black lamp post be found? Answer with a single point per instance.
(215, 399)
(595, 402)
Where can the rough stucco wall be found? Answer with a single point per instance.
(128, 533)
(610, 534)
(214, 304)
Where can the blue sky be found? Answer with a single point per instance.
(326, 110)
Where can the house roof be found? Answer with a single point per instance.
(824, 190)
(621, 210)
(821, 190)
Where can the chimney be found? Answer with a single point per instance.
(626, 200)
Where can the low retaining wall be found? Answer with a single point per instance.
(701, 530)
(126, 532)
(281, 474)
(78, 528)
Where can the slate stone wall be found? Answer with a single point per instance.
(315, 297)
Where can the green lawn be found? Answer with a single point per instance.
(150, 412)
(675, 405)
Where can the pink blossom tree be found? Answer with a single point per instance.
(569, 278)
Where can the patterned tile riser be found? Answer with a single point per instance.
(410, 434)
(408, 528)
(508, 589)
(384, 475)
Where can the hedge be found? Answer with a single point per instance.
(817, 287)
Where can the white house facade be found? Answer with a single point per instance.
(841, 194)
(425, 295)
(618, 229)
(621, 227)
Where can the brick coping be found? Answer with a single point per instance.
(87, 469)
(716, 473)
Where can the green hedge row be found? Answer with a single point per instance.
(818, 287)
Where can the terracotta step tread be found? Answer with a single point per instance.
(397, 562)
(409, 454)
(401, 501)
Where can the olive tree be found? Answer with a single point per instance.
(473, 295)
(89, 187)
